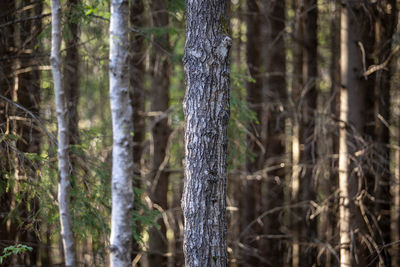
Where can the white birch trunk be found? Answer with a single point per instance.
(62, 119)
(344, 201)
(122, 169)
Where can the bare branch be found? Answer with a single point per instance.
(374, 68)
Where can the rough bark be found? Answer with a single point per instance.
(275, 103)
(254, 154)
(206, 108)
(159, 102)
(304, 95)
(122, 125)
(137, 92)
(62, 152)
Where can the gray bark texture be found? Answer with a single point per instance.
(122, 125)
(63, 142)
(206, 108)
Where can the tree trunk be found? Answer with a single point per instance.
(395, 189)
(395, 226)
(255, 154)
(304, 95)
(385, 26)
(297, 86)
(121, 111)
(71, 76)
(161, 69)
(137, 92)
(352, 121)
(29, 136)
(275, 103)
(206, 108)
(62, 118)
(7, 46)
(329, 218)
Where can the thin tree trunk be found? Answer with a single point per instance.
(137, 92)
(121, 110)
(385, 26)
(329, 217)
(344, 201)
(63, 157)
(71, 77)
(29, 137)
(395, 227)
(308, 184)
(304, 95)
(206, 108)
(395, 189)
(161, 69)
(236, 181)
(255, 154)
(6, 84)
(352, 121)
(274, 126)
(297, 86)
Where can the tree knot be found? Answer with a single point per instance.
(223, 47)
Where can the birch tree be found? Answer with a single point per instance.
(121, 111)
(62, 119)
(206, 108)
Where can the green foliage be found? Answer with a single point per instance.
(8, 137)
(159, 31)
(143, 217)
(176, 5)
(241, 116)
(90, 10)
(33, 157)
(18, 249)
(99, 8)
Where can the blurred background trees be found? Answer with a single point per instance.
(313, 153)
